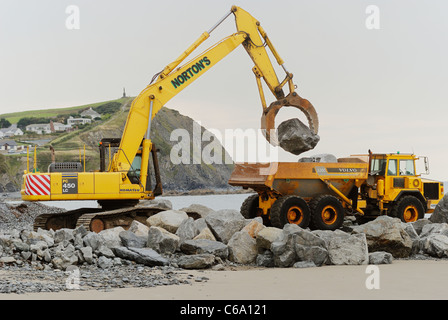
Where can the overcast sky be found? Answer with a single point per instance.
(380, 89)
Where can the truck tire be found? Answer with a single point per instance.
(327, 213)
(408, 209)
(249, 208)
(290, 209)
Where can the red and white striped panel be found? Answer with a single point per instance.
(37, 185)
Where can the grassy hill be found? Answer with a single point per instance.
(14, 117)
(70, 146)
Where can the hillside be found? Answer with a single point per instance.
(70, 147)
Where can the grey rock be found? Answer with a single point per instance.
(7, 259)
(130, 239)
(315, 254)
(197, 211)
(93, 240)
(440, 214)
(161, 240)
(380, 257)
(436, 245)
(112, 237)
(169, 220)
(187, 230)
(242, 248)
(386, 234)
(419, 224)
(87, 254)
(224, 223)
(267, 236)
(19, 245)
(162, 204)
(196, 261)
(348, 251)
(295, 137)
(322, 158)
(304, 264)
(146, 256)
(139, 229)
(434, 228)
(200, 246)
(105, 251)
(63, 235)
(104, 262)
(265, 259)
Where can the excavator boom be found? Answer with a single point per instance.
(126, 179)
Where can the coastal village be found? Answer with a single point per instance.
(9, 145)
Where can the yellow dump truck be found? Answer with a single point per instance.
(319, 195)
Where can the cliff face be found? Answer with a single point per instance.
(193, 159)
(181, 168)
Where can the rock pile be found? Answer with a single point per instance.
(198, 237)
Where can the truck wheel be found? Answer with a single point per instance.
(249, 208)
(290, 209)
(408, 209)
(327, 213)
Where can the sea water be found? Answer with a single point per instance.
(213, 201)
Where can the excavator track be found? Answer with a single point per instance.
(94, 219)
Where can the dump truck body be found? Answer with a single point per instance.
(301, 179)
(319, 194)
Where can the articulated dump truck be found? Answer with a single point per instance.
(318, 195)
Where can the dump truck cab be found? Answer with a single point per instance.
(394, 187)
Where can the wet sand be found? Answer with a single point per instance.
(403, 279)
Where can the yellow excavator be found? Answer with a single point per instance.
(126, 180)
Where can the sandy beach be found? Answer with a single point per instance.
(403, 280)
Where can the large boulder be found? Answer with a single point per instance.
(130, 239)
(350, 250)
(162, 241)
(436, 245)
(187, 230)
(197, 211)
(224, 223)
(386, 234)
(93, 240)
(196, 261)
(242, 248)
(146, 256)
(297, 244)
(440, 213)
(169, 220)
(139, 228)
(268, 235)
(112, 237)
(199, 246)
(296, 137)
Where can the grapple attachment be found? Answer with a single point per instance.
(291, 100)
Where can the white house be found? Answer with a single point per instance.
(11, 131)
(90, 113)
(75, 121)
(46, 128)
(8, 145)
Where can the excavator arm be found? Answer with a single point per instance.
(126, 180)
(173, 79)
